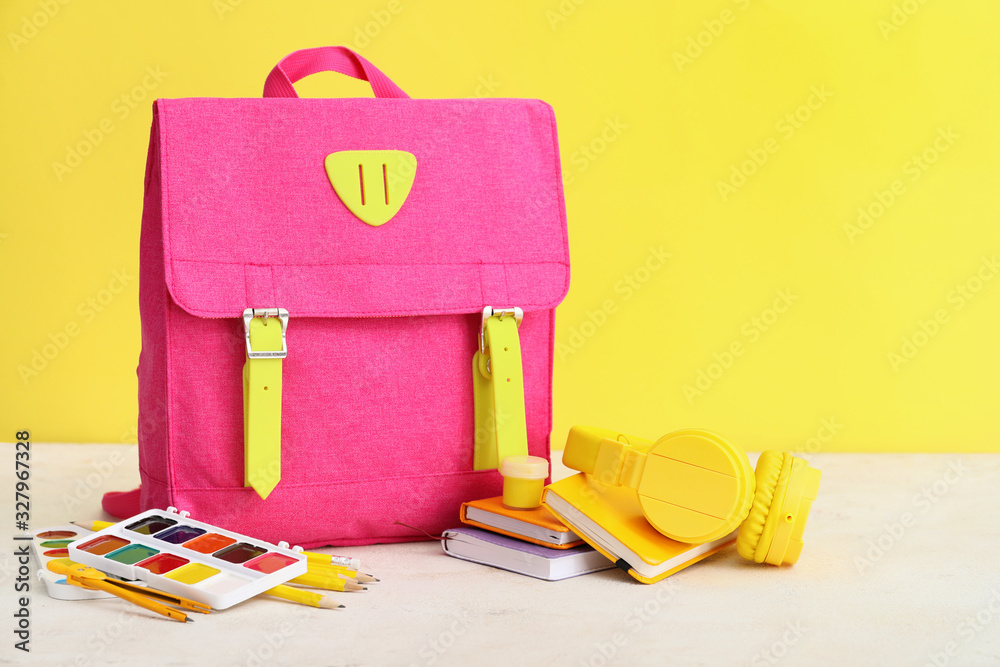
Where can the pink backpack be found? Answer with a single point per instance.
(377, 425)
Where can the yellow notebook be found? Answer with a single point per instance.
(609, 519)
(537, 526)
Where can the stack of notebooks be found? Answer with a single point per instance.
(583, 526)
(531, 542)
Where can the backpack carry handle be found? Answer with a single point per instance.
(300, 64)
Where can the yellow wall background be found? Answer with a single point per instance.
(823, 176)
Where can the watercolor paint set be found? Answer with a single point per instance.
(173, 553)
(49, 544)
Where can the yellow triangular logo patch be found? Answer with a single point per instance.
(372, 184)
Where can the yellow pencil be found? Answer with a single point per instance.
(335, 570)
(327, 582)
(93, 525)
(330, 559)
(303, 597)
(324, 571)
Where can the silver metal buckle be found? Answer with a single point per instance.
(490, 311)
(282, 316)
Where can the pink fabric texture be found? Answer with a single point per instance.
(377, 412)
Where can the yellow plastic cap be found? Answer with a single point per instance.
(524, 467)
(696, 486)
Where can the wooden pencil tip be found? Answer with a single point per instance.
(328, 603)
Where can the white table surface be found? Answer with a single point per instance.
(870, 589)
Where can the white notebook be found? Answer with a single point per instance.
(507, 553)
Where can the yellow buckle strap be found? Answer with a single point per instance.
(498, 390)
(265, 335)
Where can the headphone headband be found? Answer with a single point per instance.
(693, 485)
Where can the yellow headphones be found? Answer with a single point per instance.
(695, 486)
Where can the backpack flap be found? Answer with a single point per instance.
(251, 218)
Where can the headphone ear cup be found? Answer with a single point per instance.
(786, 488)
(768, 471)
(696, 486)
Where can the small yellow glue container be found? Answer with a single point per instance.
(523, 481)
